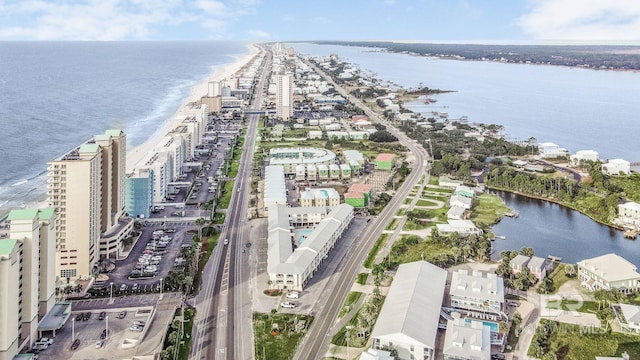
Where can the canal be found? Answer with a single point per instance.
(555, 230)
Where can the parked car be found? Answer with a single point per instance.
(102, 315)
(139, 323)
(99, 344)
(134, 287)
(122, 315)
(86, 316)
(79, 317)
(44, 340)
(123, 287)
(76, 344)
(104, 334)
(292, 295)
(135, 328)
(288, 304)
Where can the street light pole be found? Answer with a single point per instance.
(111, 292)
(348, 327)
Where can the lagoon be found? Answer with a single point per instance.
(552, 229)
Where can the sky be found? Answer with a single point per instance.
(473, 21)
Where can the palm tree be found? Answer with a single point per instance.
(200, 223)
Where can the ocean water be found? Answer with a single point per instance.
(575, 108)
(55, 95)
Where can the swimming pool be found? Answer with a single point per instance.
(304, 233)
(492, 326)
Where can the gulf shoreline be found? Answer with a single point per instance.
(138, 152)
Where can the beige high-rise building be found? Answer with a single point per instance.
(86, 186)
(27, 277)
(284, 96)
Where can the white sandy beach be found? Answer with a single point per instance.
(136, 154)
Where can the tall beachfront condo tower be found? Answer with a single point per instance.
(86, 186)
(284, 96)
(139, 192)
(27, 277)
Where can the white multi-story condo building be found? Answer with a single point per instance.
(292, 269)
(86, 186)
(408, 320)
(478, 294)
(284, 96)
(609, 272)
(27, 277)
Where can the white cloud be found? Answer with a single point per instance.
(390, 2)
(115, 19)
(597, 20)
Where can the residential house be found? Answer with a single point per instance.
(550, 150)
(629, 213)
(536, 265)
(616, 167)
(462, 227)
(456, 213)
(608, 272)
(461, 201)
(628, 317)
(467, 340)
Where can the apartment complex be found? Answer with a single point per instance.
(478, 294)
(86, 186)
(284, 96)
(27, 277)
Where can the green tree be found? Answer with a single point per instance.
(200, 223)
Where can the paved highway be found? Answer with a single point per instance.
(223, 303)
(316, 343)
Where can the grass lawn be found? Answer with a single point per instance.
(488, 210)
(438, 189)
(423, 202)
(559, 277)
(407, 200)
(574, 305)
(392, 225)
(185, 340)
(371, 257)
(430, 249)
(277, 335)
(571, 342)
(415, 225)
(362, 278)
(226, 198)
(351, 299)
(233, 171)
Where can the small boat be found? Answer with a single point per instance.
(501, 237)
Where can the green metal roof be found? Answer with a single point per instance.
(23, 214)
(102, 137)
(89, 148)
(7, 245)
(47, 213)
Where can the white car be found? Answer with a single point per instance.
(135, 328)
(292, 295)
(226, 241)
(288, 304)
